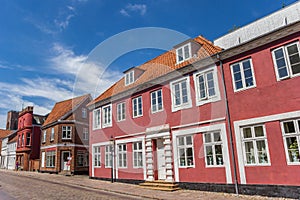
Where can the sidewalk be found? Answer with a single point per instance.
(129, 189)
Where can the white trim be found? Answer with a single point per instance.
(94, 121)
(199, 123)
(105, 125)
(182, 47)
(216, 127)
(127, 77)
(258, 120)
(156, 102)
(63, 145)
(186, 105)
(243, 75)
(217, 96)
(137, 106)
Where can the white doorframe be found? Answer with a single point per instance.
(64, 160)
(160, 157)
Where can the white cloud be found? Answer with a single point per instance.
(63, 23)
(131, 8)
(2, 121)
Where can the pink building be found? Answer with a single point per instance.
(206, 118)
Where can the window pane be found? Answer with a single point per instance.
(247, 133)
(236, 68)
(292, 49)
(189, 156)
(282, 72)
(207, 137)
(189, 140)
(219, 157)
(211, 84)
(184, 92)
(181, 140)
(182, 157)
(202, 87)
(177, 94)
(296, 69)
(217, 137)
(289, 127)
(293, 149)
(179, 55)
(249, 152)
(186, 52)
(261, 150)
(238, 84)
(259, 132)
(209, 155)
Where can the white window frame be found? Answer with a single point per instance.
(287, 61)
(213, 143)
(97, 119)
(244, 87)
(121, 114)
(201, 101)
(129, 77)
(183, 54)
(136, 152)
(85, 133)
(254, 139)
(49, 155)
(135, 100)
(84, 113)
(296, 134)
(107, 115)
(156, 101)
(67, 129)
(185, 146)
(186, 105)
(122, 155)
(52, 134)
(97, 156)
(108, 156)
(44, 136)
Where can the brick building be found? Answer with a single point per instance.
(29, 136)
(65, 137)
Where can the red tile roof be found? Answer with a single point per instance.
(4, 133)
(160, 66)
(62, 108)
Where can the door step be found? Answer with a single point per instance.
(160, 185)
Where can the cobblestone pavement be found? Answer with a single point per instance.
(33, 185)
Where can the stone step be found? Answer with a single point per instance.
(160, 185)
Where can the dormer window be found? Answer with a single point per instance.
(183, 53)
(129, 77)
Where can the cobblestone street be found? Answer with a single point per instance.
(33, 185)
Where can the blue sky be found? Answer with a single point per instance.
(43, 43)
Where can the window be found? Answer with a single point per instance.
(137, 107)
(180, 91)
(287, 60)
(50, 159)
(122, 156)
(96, 119)
(213, 149)
(23, 140)
(97, 157)
(44, 136)
(108, 156)
(156, 101)
(206, 87)
(28, 139)
(82, 159)
(137, 155)
(121, 111)
(185, 151)
(243, 76)
(84, 113)
(129, 78)
(291, 136)
(255, 145)
(85, 134)
(183, 53)
(106, 118)
(52, 134)
(66, 132)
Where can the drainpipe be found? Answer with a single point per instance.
(229, 127)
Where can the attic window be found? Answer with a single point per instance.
(183, 53)
(129, 77)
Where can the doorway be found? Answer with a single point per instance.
(64, 160)
(161, 163)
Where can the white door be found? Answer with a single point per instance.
(64, 160)
(161, 163)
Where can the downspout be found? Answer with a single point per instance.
(229, 127)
